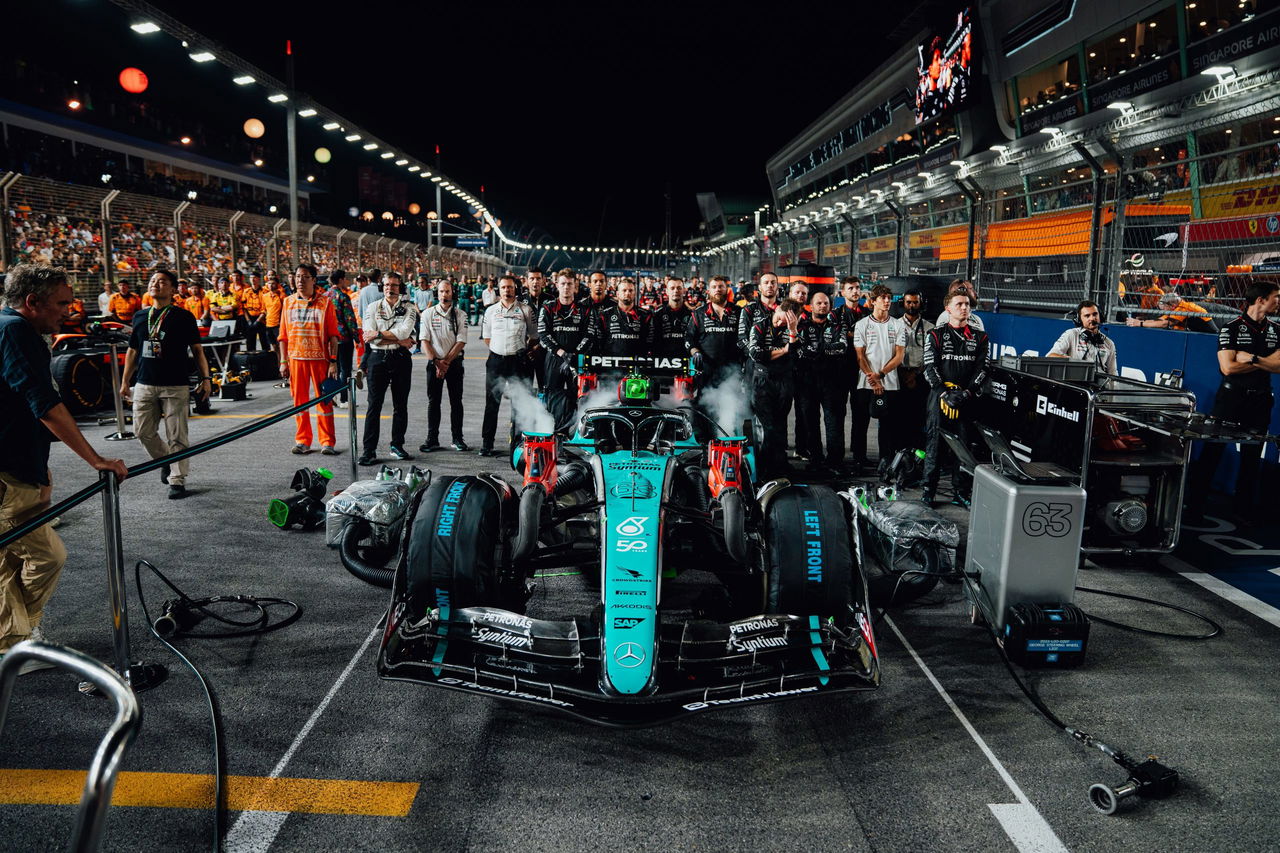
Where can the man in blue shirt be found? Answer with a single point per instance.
(36, 298)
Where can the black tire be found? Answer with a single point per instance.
(453, 546)
(80, 381)
(263, 366)
(811, 561)
(734, 520)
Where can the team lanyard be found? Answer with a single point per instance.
(155, 321)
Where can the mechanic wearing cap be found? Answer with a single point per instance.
(444, 336)
(823, 356)
(1180, 316)
(1084, 342)
(956, 363)
(388, 326)
(507, 329)
(309, 355)
(564, 332)
(1248, 356)
(771, 345)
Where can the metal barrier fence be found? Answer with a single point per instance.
(1111, 229)
(103, 235)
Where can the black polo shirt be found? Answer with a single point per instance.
(26, 395)
(164, 348)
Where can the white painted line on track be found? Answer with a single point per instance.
(1236, 596)
(253, 831)
(1021, 821)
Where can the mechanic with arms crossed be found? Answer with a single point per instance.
(956, 364)
(771, 345)
(1248, 355)
(1084, 342)
(564, 331)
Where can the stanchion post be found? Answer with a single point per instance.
(351, 420)
(120, 434)
(139, 676)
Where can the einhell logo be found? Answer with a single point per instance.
(1044, 407)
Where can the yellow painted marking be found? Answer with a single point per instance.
(195, 791)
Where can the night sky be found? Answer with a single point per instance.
(575, 119)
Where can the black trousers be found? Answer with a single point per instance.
(499, 371)
(1251, 409)
(806, 396)
(435, 390)
(936, 450)
(255, 335)
(346, 352)
(714, 376)
(560, 394)
(828, 400)
(771, 398)
(911, 413)
(859, 420)
(888, 432)
(392, 369)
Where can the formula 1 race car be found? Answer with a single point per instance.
(695, 587)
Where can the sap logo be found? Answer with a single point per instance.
(627, 621)
(1045, 407)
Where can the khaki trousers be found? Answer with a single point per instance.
(151, 403)
(29, 568)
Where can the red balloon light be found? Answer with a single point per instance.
(133, 80)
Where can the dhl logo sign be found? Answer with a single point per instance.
(878, 244)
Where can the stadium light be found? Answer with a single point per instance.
(386, 155)
(402, 162)
(999, 149)
(1052, 131)
(370, 146)
(192, 194)
(415, 168)
(243, 80)
(202, 56)
(278, 98)
(331, 125)
(354, 137)
(1222, 72)
(307, 113)
(1122, 106)
(144, 28)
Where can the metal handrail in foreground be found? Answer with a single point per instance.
(109, 485)
(101, 779)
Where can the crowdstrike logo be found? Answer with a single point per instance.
(1045, 407)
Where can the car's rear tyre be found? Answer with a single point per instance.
(80, 382)
(456, 546)
(811, 562)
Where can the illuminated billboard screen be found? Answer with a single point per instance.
(946, 69)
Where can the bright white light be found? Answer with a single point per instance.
(370, 146)
(331, 125)
(278, 98)
(354, 137)
(386, 155)
(436, 179)
(243, 80)
(191, 194)
(999, 148)
(307, 113)
(106, 178)
(203, 56)
(918, 175)
(1220, 71)
(1120, 105)
(957, 162)
(144, 28)
(273, 209)
(402, 162)
(415, 168)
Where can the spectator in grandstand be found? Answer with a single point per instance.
(444, 336)
(255, 315)
(158, 352)
(308, 355)
(36, 298)
(197, 302)
(348, 332)
(1180, 316)
(125, 303)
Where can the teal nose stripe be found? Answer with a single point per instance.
(815, 637)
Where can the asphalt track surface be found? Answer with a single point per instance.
(947, 755)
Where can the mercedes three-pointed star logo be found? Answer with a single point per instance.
(629, 655)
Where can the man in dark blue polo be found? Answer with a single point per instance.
(36, 298)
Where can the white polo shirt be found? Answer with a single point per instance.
(508, 330)
(880, 340)
(442, 329)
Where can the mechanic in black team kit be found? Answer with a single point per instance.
(535, 295)
(712, 340)
(956, 364)
(597, 298)
(823, 354)
(623, 326)
(771, 345)
(670, 322)
(564, 332)
(754, 312)
(1248, 356)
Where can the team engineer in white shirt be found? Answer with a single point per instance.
(509, 330)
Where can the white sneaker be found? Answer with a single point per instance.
(341, 405)
(57, 520)
(37, 634)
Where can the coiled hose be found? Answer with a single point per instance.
(353, 531)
